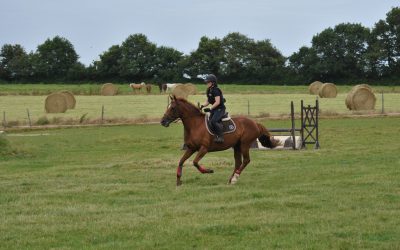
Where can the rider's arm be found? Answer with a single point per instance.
(216, 103)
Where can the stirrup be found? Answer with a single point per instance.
(219, 139)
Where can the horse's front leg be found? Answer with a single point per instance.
(185, 156)
(203, 150)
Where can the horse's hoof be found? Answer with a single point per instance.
(210, 171)
(178, 183)
(234, 179)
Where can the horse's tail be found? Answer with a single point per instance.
(266, 139)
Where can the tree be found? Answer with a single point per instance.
(266, 63)
(342, 51)
(54, 59)
(137, 58)
(384, 52)
(108, 67)
(237, 56)
(304, 64)
(206, 59)
(14, 63)
(167, 64)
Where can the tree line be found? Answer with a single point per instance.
(346, 53)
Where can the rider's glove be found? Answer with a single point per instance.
(207, 110)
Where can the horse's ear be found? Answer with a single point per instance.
(170, 97)
(174, 97)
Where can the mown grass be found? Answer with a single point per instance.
(143, 108)
(114, 187)
(124, 89)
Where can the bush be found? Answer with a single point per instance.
(42, 121)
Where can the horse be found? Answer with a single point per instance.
(136, 86)
(148, 88)
(171, 87)
(198, 139)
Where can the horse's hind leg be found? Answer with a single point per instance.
(203, 151)
(186, 156)
(238, 160)
(244, 149)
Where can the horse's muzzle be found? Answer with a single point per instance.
(165, 122)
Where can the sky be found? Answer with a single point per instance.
(93, 26)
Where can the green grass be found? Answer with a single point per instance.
(114, 187)
(124, 89)
(152, 107)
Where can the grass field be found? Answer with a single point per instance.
(151, 108)
(124, 89)
(114, 187)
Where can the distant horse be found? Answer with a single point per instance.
(148, 88)
(171, 87)
(161, 86)
(136, 87)
(198, 139)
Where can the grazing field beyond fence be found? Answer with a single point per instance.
(144, 108)
(114, 187)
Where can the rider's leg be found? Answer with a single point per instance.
(215, 122)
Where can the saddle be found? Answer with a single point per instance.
(228, 125)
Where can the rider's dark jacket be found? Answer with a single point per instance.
(213, 92)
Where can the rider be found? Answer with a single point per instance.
(217, 109)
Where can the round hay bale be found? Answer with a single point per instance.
(349, 96)
(313, 88)
(363, 85)
(56, 103)
(180, 91)
(109, 89)
(360, 98)
(190, 88)
(327, 90)
(71, 102)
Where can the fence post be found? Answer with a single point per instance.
(102, 114)
(248, 107)
(293, 125)
(29, 118)
(383, 104)
(4, 119)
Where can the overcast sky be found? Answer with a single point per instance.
(93, 26)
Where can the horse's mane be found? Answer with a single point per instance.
(191, 107)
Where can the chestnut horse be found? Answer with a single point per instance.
(198, 139)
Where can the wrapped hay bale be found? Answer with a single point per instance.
(56, 103)
(180, 91)
(313, 88)
(109, 89)
(70, 98)
(360, 97)
(327, 90)
(190, 88)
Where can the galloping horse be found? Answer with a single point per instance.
(198, 139)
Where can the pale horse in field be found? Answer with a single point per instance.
(137, 86)
(171, 87)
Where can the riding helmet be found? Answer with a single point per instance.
(211, 78)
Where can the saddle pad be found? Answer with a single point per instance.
(229, 126)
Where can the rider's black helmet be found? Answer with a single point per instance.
(211, 78)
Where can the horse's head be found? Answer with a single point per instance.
(172, 114)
